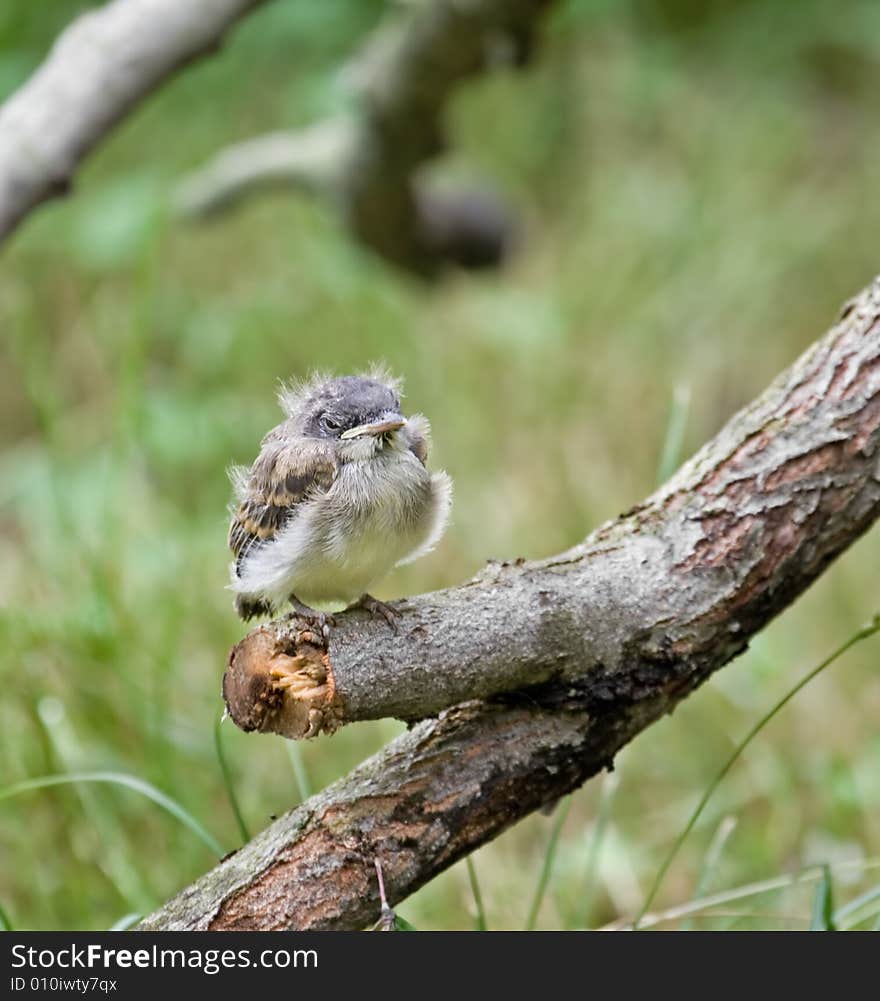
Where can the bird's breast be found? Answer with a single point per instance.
(375, 503)
(366, 524)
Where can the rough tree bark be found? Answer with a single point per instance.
(573, 655)
(104, 64)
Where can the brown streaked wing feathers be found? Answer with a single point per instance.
(280, 480)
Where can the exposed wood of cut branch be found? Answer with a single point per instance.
(617, 632)
(106, 62)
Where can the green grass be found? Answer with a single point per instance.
(228, 782)
(561, 811)
(127, 782)
(698, 198)
(481, 922)
(862, 634)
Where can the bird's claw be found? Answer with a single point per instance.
(376, 607)
(322, 621)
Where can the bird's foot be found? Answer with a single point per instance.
(322, 621)
(376, 607)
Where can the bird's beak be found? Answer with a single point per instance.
(381, 427)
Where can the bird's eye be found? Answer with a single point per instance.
(329, 424)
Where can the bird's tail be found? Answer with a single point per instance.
(250, 607)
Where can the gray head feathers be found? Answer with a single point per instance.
(295, 396)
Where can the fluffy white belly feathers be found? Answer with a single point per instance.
(340, 543)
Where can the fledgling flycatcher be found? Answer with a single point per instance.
(338, 495)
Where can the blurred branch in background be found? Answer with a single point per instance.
(368, 163)
(99, 69)
(601, 641)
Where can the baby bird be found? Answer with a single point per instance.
(338, 495)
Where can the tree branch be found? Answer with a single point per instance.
(311, 160)
(601, 640)
(103, 65)
(369, 163)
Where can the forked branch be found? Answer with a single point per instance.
(368, 164)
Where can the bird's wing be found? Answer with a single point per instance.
(274, 488)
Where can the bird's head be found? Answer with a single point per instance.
(357, 415)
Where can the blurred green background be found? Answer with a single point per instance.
(698, 186)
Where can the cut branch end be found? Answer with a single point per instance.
(280, 681)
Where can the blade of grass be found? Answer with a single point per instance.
(864, 633)
(822, 918)
(854, 906)
(129, 782)
(125, 922)
(70, 756)
(547, 867)
(670, 454)
(5, 923)
(227, 781)
(389, 919)
(610, 783)
(294, 752)
(478, 896)
(713, 856)
(806, 875)
(735, 916)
